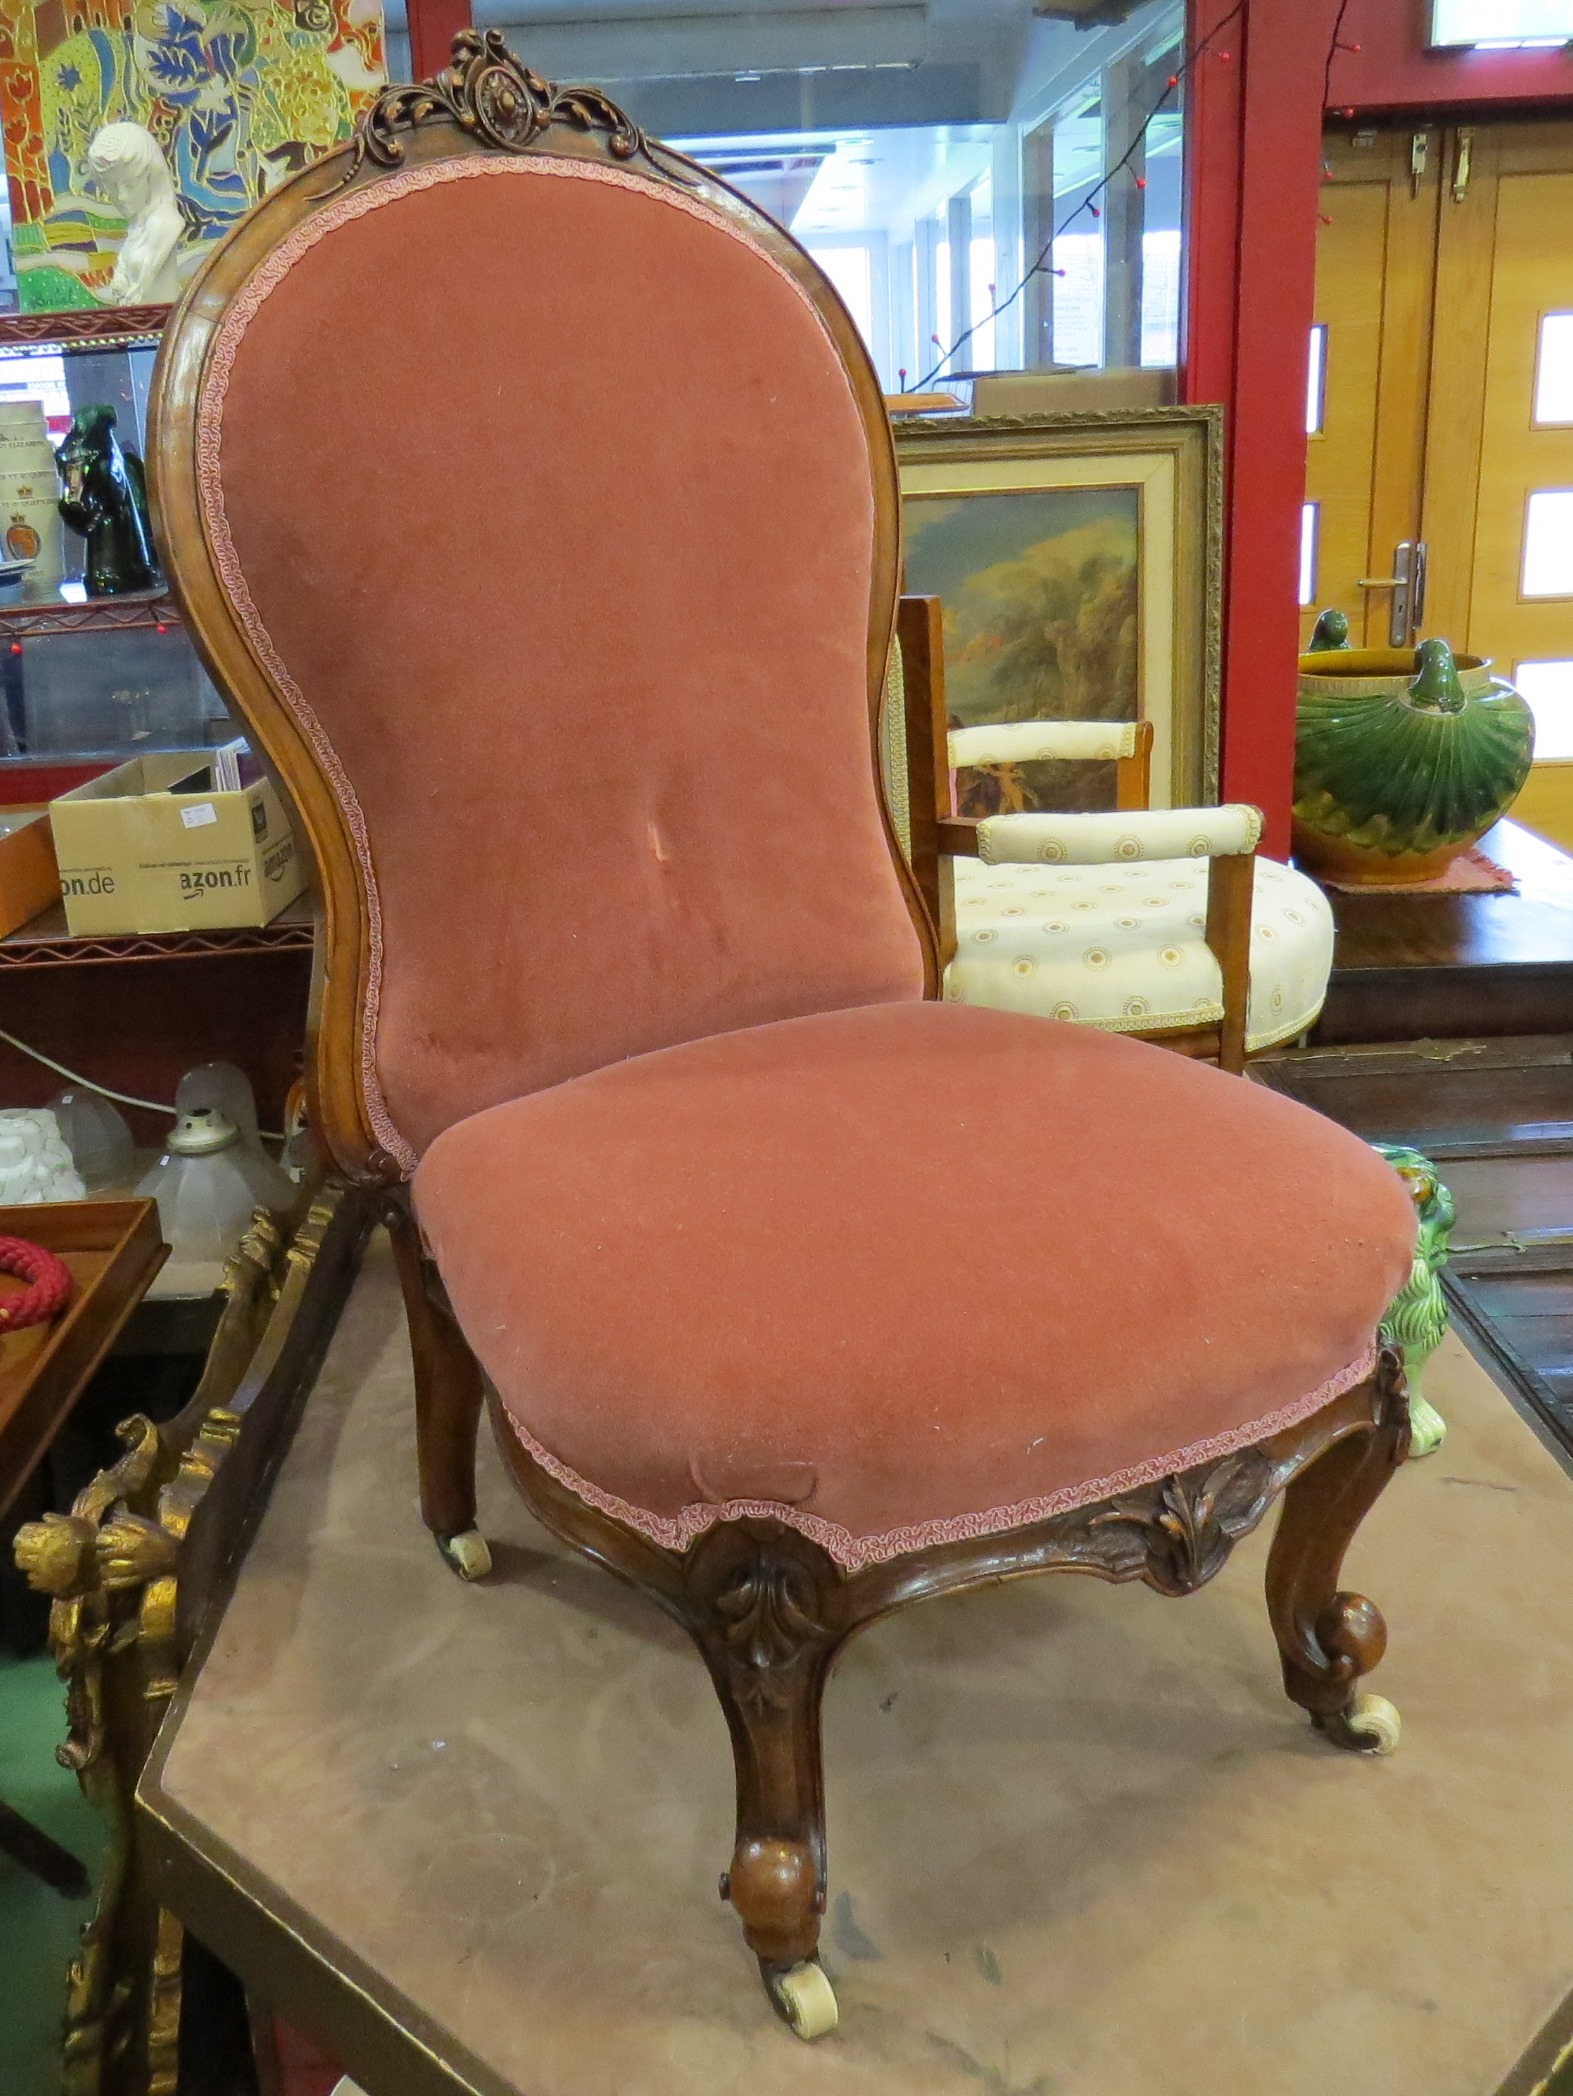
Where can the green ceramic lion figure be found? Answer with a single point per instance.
(1417, 1319)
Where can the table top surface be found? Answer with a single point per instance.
(1078, 1838)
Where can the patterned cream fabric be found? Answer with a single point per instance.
(1153, 834)
(1121, 947)
(1021, 742)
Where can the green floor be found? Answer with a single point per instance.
(38, 1929)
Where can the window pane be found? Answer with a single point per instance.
(1308, 524)
(1077, 259)
(944, 307)
(1161, 297)
(923, 166)
(1548, 686)
(1502, 21)
(979, 354)
(851, 271)
(1078, 299)
(1315, 375)
(1554, 369)
(1548, 543)
(1162, 209)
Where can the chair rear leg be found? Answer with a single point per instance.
(1329, 1639)
(761, 1607)
(448, 1395)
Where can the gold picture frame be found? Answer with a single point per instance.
(1125, 539)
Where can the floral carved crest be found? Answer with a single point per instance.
(486, 91)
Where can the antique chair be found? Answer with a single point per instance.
(532, 495)
(1161, 923)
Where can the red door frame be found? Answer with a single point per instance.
(433, 25)
(1254, 144)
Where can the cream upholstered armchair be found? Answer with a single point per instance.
(1156, 922)
(505, 444)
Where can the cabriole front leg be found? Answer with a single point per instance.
(768, 1631)
(1329, 1639)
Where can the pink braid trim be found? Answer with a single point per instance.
(852, 1552)
(242, 311)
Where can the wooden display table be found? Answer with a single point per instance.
(113, 1251)
(468, 1837)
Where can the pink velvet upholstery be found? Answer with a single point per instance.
(545, 493)
(906, 1272)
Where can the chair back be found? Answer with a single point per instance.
(531, 496)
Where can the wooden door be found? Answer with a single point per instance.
(1445, 314)
(1366, 396)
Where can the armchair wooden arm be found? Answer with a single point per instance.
(938, 834)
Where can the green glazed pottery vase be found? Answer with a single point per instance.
(1401, 761)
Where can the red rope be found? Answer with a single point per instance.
(50, 1290)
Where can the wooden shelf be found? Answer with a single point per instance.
(147, 610)
(44, 942)
(77, 327)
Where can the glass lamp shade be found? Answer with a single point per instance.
(225, 1088)
(97, 1137)
(208, 1184)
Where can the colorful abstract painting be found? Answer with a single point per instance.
(238, 93)
(1040, 594)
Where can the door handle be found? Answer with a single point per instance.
(1408, 586)
(1463, 154)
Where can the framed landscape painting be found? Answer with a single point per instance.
(1077, 560)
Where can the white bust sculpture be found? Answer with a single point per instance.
(35, 1164)
(128, 167)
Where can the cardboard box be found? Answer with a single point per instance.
(152, 847)
(29, 880)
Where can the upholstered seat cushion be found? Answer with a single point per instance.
(905, 1272)
(1121, 946)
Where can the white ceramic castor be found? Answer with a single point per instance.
(805, 1999)
(468, 1554)
(1427, 1428)
(1375, 1725)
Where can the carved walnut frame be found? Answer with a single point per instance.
(451, 118)
(768, 1608)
